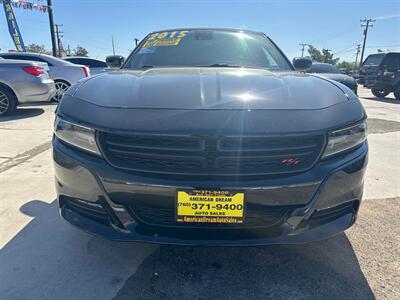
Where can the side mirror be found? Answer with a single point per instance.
(115, 61)
(302, 63)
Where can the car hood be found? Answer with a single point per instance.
(208, 88)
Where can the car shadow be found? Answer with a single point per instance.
(322, 270)
(51, 260)
(384, 100)
(22, 113)
(45, 103)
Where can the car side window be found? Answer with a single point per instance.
(91, 63)
(18, 57)
(86, 62)
(39, 59)
(26, 57)
(97, 64)
(45, 61)
(76, 61)
(392, 60)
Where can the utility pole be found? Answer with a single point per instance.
(302, 48)
(365, 23)
(357, 53)
(51, 21)
(113, 46)
(59, 36)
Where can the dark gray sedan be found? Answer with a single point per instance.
(210, 137)
(331, 72)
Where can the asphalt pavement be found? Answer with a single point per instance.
(42, 257)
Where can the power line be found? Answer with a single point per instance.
(365, 23)
(303, 45)
(377, 46)
(347, 49)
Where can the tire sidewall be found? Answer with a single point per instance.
(396, 92)
(380, 93)
(11, 102)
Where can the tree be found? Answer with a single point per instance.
(328, 57)
(346, 65)
(36, 48)
(325, 56)
(314, 53)
(80, 51)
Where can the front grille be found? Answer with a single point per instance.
(255, 216)
(212, 155)
(86, 209)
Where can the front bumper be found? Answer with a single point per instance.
(98, 198)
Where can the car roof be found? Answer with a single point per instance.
(52, 59)
(85, 57)
(384, 53)
(208, 28)
(320, 63)
(26, 53)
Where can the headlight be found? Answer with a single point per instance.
(76, 135)
(345, 139)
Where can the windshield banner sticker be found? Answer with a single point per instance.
(172, 38)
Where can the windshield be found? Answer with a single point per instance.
(374, 60)
(323, 68)
(207, 48)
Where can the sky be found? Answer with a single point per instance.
(332, 24)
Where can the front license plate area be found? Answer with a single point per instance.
(203, 206)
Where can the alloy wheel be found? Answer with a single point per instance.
(61, 88)
(4, 103)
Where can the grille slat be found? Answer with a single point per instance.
(211, 155)
(84, 208)
(163, 142)
(255, 216)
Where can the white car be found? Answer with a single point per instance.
(96, 66)
(62, 72)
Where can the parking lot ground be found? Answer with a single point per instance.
(42, 257)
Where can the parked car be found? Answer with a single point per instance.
(63, 73)
(189, 143)
(331, 72)
(381, 73)
(96, 66)
(23, 82)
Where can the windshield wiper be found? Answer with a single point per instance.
(147, 67)
(222, 65)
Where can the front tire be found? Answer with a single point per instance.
(7, 102)
(380, 93)
(61, 88)
(396, 92)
